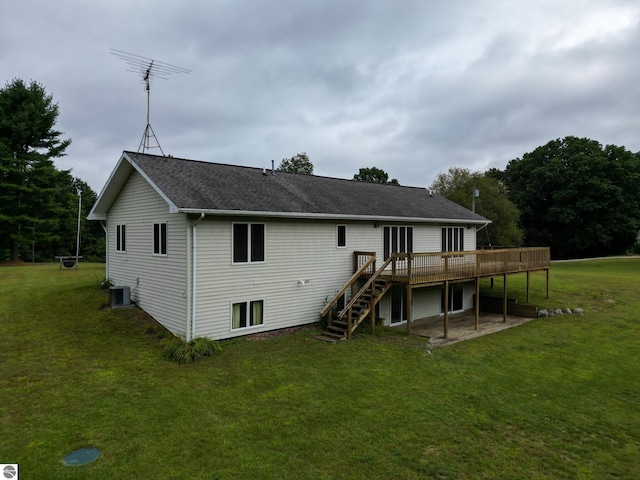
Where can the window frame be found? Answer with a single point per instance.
(121, 238)
(249, 243)
(160, 242)
(248, 313)
(397, 239)
(344, 236)
(452, 239)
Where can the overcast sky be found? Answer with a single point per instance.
(412, 87)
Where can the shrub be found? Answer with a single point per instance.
(179, 350)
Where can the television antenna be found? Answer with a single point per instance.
(148, 69)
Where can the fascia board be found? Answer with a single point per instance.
(326, 216)
(116, 182)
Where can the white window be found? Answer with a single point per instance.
(121, 245)
(452, 239)
(341, 240)
(247, 314)
(248, 242)
(159, 238)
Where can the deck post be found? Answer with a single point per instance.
(547, 283)
(409, 312)
(504, 298)
(349, 323)
(528, 292)
(477, 302)
(446, 309)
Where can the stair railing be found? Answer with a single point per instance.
(361, 292)
(350, 282)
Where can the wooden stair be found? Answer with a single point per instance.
(359, 308)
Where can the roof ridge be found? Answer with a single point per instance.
(262, 169)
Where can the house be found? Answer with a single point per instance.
(218, 250)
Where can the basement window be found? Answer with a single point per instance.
(247, 314)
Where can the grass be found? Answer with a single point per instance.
(554, 398)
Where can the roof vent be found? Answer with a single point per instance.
(273, 167)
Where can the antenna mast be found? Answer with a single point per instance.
(148, 69)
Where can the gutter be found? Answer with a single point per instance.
(329, 216)
(483, 226)
(193, 275)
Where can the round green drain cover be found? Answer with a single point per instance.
(80, 457)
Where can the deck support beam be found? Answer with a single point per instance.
(446, 309)
(409, 312)
(477, 305)
(547, 282)
(504, 297)
(528, 291)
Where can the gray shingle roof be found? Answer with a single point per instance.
(196, 186)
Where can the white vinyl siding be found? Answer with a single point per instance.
(303, 270)
(158, 283)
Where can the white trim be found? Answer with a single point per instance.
(328, 216)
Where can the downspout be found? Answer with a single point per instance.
(193, 276)
(106, 251)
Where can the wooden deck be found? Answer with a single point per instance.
(423, 269)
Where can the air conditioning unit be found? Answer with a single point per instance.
(120, 297)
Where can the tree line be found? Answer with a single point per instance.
(572, 194)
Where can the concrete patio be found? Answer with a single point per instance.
(461, 326)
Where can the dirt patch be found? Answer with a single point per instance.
(281, 332)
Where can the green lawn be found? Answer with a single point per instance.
(554, 398)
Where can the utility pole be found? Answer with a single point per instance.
(476, 194)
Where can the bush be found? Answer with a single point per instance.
(180, 351)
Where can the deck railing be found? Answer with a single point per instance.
(424, 268)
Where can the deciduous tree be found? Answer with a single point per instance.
(299, 163)
(374, 175)
(457, 185)
(577, 197)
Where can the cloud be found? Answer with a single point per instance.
(412, 87)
